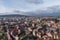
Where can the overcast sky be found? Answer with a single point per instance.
(26, 5)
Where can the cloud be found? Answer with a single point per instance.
(35, 1)
(48, 10)
(2, 8)
(26, 5)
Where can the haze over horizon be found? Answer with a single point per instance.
(29, 6)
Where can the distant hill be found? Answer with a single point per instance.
(13, 15)
(45, 14)
(49, 14)
(32, 14)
